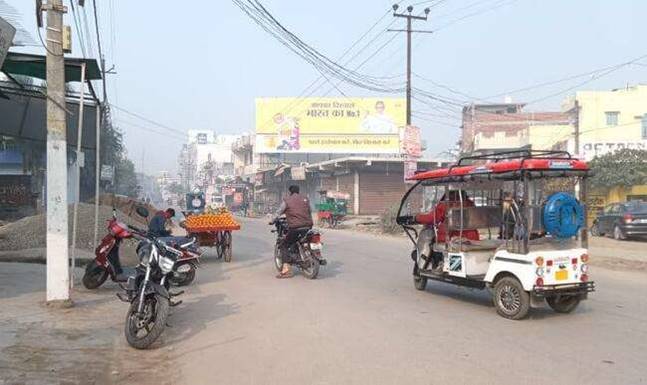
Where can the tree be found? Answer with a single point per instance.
(113, 153)
(626, 167)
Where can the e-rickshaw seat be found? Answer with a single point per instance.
(477, 217)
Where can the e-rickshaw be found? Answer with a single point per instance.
(512, 222)
(332, 207)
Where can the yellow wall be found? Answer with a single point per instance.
(630, 102)
(544, 137)
(598, 199)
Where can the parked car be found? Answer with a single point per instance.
(621, 220)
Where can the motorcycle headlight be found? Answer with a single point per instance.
(166, 264)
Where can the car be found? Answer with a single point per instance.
(621, 220)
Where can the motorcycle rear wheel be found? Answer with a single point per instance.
(95, 275)
(182, 279)
(151, 322)
(309, 265)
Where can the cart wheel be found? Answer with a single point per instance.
(510, 299)
(226, 247)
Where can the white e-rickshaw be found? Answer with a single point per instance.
(513, 222)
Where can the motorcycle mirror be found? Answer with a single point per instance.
(142, 211)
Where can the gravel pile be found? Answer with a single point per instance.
(29, 232)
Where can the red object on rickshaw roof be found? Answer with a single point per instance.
(536, 164)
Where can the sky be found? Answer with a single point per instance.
(201, 64)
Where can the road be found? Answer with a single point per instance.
(361, 322)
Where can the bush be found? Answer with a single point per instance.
(387, 220)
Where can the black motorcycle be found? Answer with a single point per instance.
(305, 253)
(148, 290)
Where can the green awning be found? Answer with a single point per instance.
(34, 66)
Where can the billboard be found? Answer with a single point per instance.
(330, 125)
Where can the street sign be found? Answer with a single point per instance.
(7, 32)
(298, 173)
(107, 173)
(410, 168)
(411, 143)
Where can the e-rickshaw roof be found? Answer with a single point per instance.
(506, 163)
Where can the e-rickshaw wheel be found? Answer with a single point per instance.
(564, 304)
(419, 282)
(510, 299)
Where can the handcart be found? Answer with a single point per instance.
(213, 230)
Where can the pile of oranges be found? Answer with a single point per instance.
(222, 220)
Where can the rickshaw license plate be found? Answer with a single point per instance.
(561, 275)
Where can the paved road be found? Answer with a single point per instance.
(363, 322)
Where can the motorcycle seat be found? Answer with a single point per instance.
(175, 241)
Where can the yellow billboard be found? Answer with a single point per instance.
(330, 125)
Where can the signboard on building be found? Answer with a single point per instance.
(298, 173)
(107, 173)
(411, 142)
(590, 150)
(410, 168)
(7, 32)
(330, 125)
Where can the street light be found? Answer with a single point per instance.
(410, 8)
(395, 7)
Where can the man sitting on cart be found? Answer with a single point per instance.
(436, 217)
(296, 208)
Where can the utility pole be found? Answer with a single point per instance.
(58, 287)
(576, 126)
(409, 18)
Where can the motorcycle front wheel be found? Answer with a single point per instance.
(143, 329)
(278, 261)
(95, 275)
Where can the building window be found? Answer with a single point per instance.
(644, 126)
(612, 118)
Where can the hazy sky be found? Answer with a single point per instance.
(200, 64)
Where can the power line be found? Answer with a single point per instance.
(78, 29)
(170, 129)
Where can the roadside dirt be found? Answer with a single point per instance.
(77, 346)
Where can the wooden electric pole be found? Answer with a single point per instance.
(58, 287)
(409, 18)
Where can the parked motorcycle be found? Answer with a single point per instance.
(305, 253)
(106, 261)
(106, 254)
(147, 290)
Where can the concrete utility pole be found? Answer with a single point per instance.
(409, 18)
(58, 287)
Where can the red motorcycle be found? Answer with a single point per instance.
(106, 262)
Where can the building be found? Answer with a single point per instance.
(506, 126)
(205, 157)
(609, 120)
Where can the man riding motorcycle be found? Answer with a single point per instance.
(298, 214)
(157, 225)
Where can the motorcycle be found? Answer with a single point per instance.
(106, 261)
(305, 252)
(147, 290)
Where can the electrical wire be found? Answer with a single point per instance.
(148, 120)
(78, 29)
